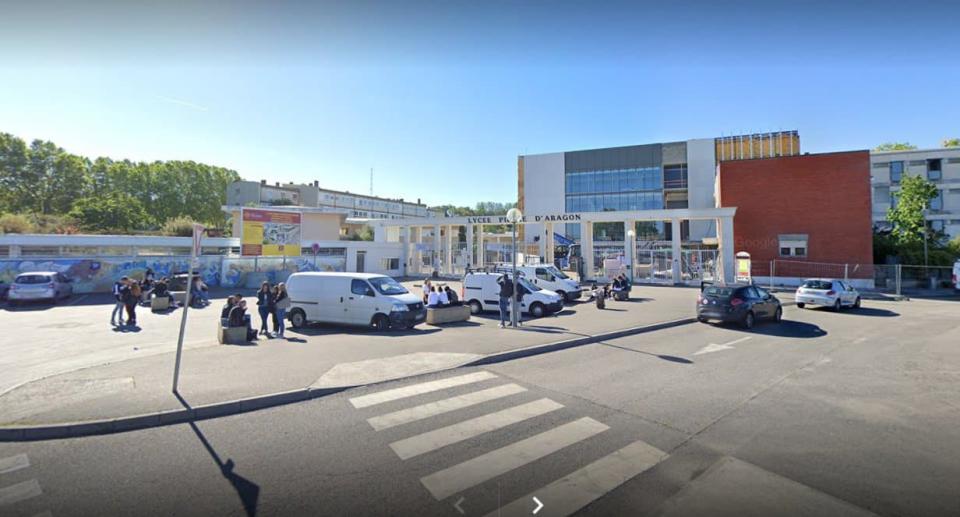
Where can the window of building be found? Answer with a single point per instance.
(390, 264)
(881, 195)
(896, 172)
(793, 245)
(675, 176)
(936, 203)
(934, 171)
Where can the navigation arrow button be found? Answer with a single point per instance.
(539, 505)
(457, 505)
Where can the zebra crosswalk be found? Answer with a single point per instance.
(14, 493)
(564, 496)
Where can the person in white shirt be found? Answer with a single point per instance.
(444, 299)
(433, 299)
(426, 290)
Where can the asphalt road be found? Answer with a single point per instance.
(827, 414)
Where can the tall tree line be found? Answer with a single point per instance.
(41, 178)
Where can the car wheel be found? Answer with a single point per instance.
(701, 320)
(298, 319)
(380, 323)
(800, 305)
(856, 304)
(837, 305)
(748, 320)
(475, 307)
(537, 310)
(563, 296)
(778, 315)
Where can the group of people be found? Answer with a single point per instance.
(615, 289)
(272, 304)
(126, 292)
(439, 295)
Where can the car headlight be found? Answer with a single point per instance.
(399, 307)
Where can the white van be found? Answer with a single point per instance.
(547, 276)
(364, 299)
(482, 293)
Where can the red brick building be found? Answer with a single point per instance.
(810, 213)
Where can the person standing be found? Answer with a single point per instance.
(118, 306)
(506, 292)
(426, 289)
(282, 303)
(263, 306)
(272, 307)
(131, 297)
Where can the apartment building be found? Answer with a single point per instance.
(941, 166)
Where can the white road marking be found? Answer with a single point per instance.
(712, 347)
(578, 489)
(418, 389)
(472, 472)
(405, 416)
(13, 463)
(19, 492)
(438, 438)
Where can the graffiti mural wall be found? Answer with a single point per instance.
(97, 275)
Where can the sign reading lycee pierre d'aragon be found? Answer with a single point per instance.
(270, 233)
(502, 219)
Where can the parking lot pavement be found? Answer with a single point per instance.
(850, 413)
(77, 368)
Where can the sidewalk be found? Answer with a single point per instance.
(315, 357)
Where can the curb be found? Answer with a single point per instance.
(234, 407)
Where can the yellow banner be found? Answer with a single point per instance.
(270, 233)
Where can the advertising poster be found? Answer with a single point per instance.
(270, 233)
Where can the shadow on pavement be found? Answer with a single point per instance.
(862, 311)
(670, 358)
(788, 328)
(248, 491)
(332, 330)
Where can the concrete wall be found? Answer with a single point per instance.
(825, 196)
(544, 189)
(320, 227)
(701, 183)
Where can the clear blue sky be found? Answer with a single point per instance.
(440, 97)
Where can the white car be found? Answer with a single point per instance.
(828, 293)
(546, 276)
(39, 285)
(481, 292)
(956, 275)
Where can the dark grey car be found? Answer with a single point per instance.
(737, 303)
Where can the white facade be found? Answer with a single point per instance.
(543, 176)
(701, 184)
(941, 166)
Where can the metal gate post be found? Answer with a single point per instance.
(899, 270)
(846, 273)
(773, 272)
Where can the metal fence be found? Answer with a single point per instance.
(880, 278)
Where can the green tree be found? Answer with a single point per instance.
(895, 146)
(15, 223)
(113, 212)
(951, 142)
(907, 216)
(179, 226)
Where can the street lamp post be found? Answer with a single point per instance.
(514, 216)
(630, 251)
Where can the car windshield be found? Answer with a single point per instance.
(557, 273)
(387, 285)
(33, 279)
(527, 285)
(718, 291)
(818, 284)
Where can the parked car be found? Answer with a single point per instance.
(363, 299)
(482, 293)
(956, 275)
(547, 276)
(39, 285)
(827, 292)
(737, 303)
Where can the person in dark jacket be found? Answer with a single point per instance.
(506, 292)
(264, 296)
(239, 318)
(119, 306)
(225, 312)
(452, 296)
(272, 306)
(131, 297)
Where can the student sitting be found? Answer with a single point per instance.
(225, 312)
(433, 299)
(238, 317)
(452, 297)
(444, 299)
(160, 290)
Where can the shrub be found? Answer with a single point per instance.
(15, 223)
(179, 226)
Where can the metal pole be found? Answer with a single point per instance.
(186, 306)
(846, 272)
(773, 272)
(513, 300)
(899, 271)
